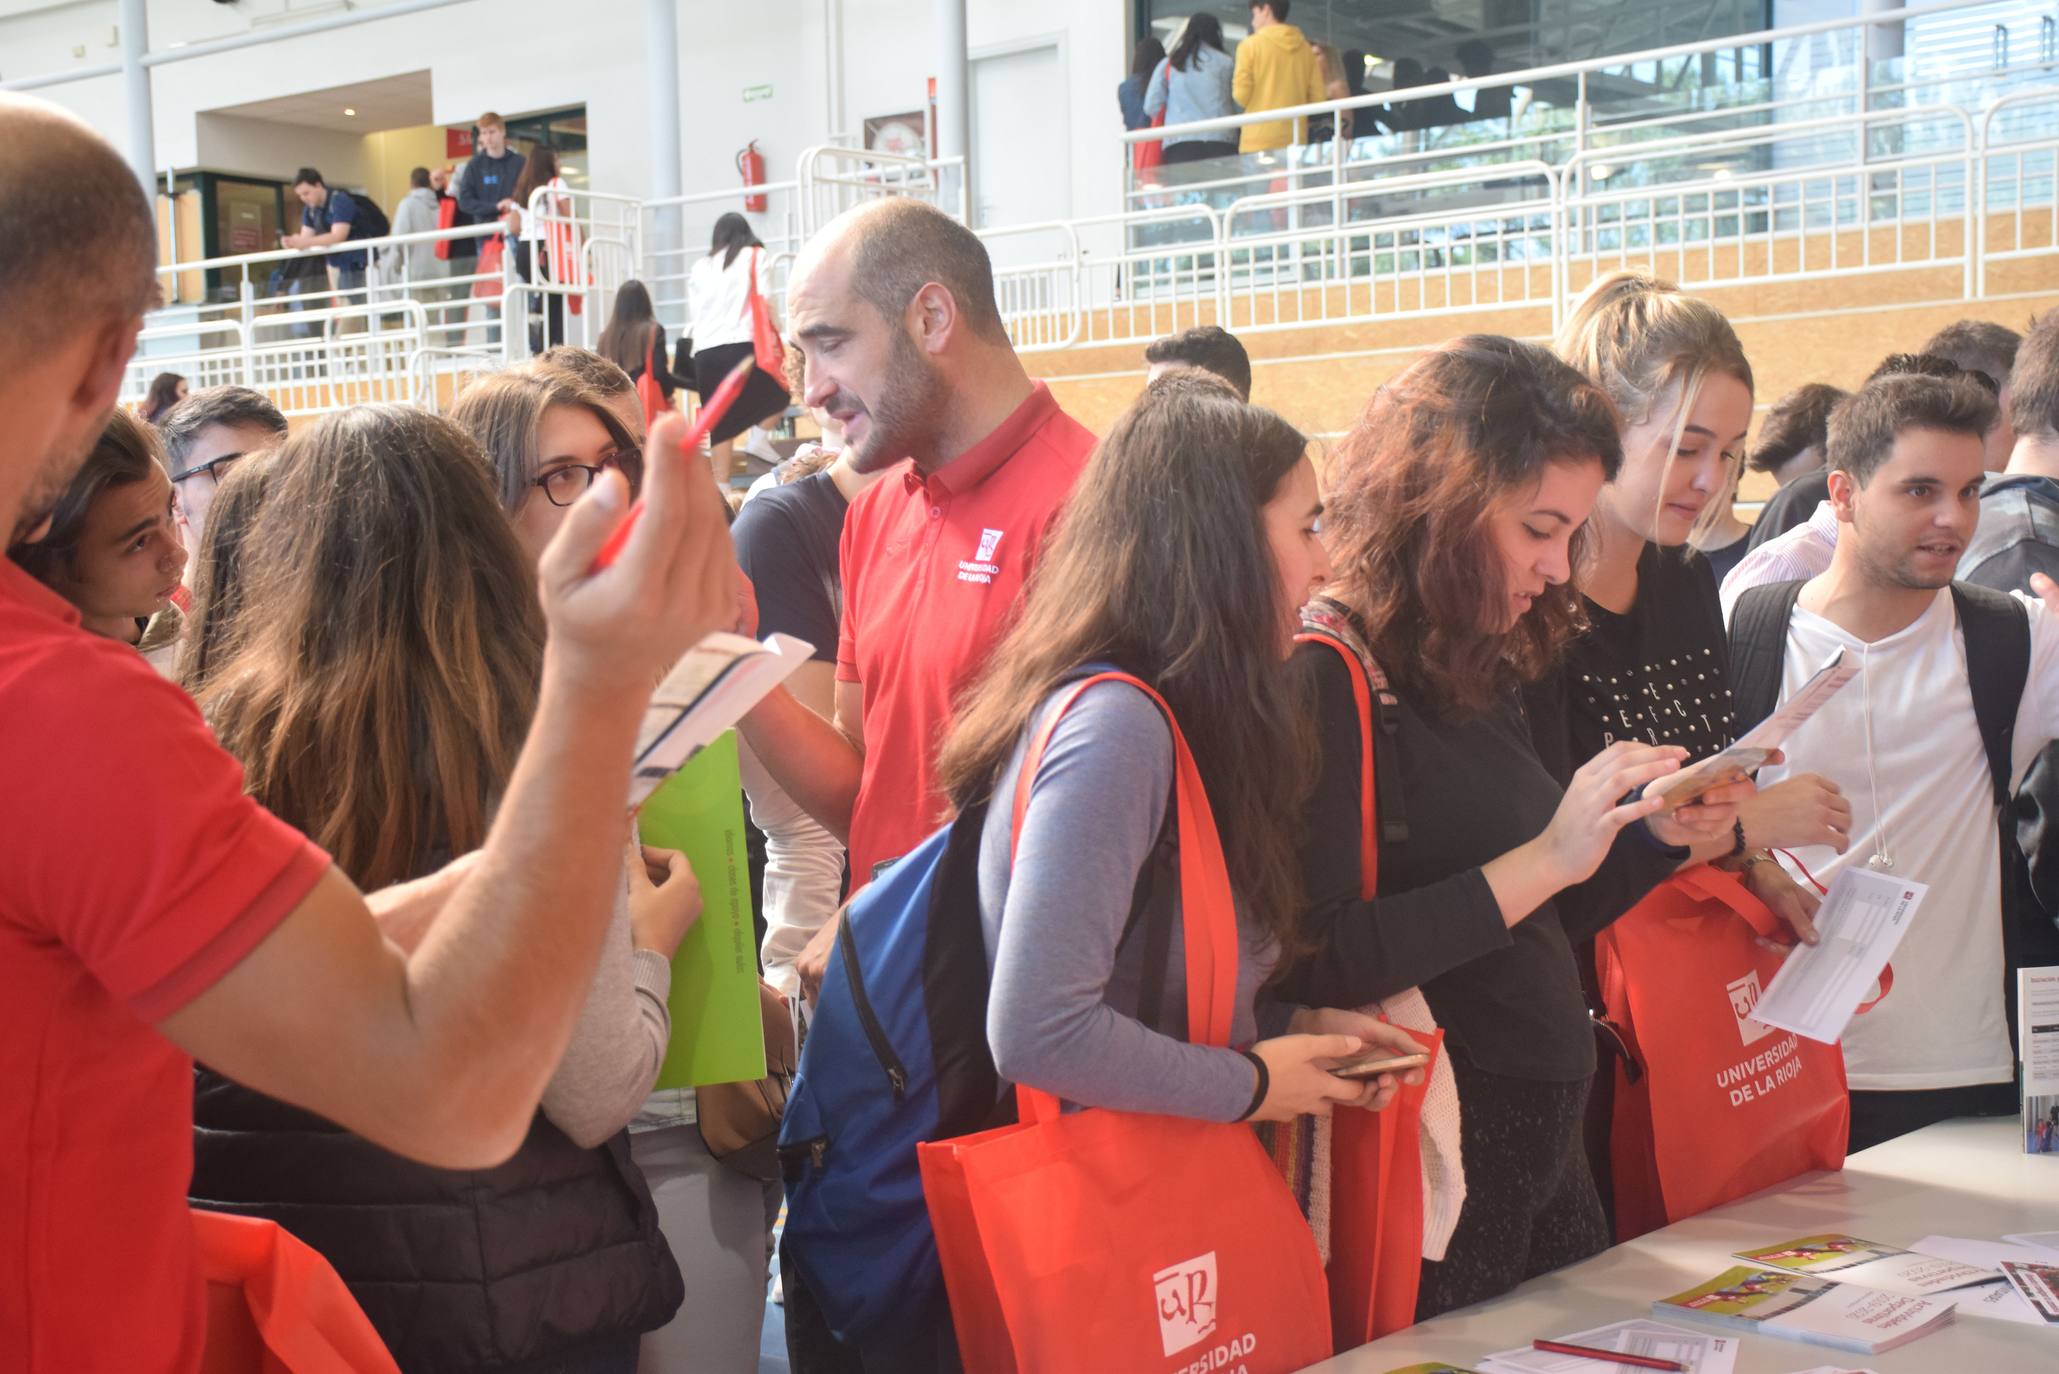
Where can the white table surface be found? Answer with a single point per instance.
(1958, 1178)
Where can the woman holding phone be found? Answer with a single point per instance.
(1455, 514)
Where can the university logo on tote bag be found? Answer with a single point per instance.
(1713, 1105)
(1113, 1240)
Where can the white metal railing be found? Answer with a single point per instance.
(1609, 96)
(1936, 189)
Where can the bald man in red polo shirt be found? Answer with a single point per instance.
(151, 911)
(893, 307)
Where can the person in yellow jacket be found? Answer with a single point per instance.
(1276, 69)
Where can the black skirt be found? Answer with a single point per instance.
(764, 396)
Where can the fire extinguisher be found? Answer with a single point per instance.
(751, 163)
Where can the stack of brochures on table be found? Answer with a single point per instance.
(1869, 1264)
(1804, 1307)
(706, 693)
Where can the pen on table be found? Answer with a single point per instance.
(704, 424)
(1610, 1356)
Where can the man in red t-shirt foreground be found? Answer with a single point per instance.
(893, 307)
(150, 911)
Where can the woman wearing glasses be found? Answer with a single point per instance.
(547, 438)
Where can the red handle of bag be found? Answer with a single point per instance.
(1208, 914)
(1368, 796)
(1717, 885)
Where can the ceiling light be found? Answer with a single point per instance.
(347, 110)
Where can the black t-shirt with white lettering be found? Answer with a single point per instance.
(1657, 674)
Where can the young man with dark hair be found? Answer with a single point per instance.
(2019, 510)
(326, 218)
(152, 913)
(1209, 347)
(1797, 529)
(1990, 349)
(1958, 693)
(1792, 436)
(204, 436)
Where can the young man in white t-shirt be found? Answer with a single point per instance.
(1902, 741)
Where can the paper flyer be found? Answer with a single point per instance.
(2037, 1040)
(718, 1032)
(2039, 1285)
(1819, 987)
(1869, 1264)
(1701, 1351)
(1808, 1307)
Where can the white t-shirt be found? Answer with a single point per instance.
(718, 297)
(1943, 1025)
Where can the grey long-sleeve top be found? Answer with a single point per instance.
(1066, 984)
(619, 1041)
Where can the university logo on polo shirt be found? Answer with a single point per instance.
(981, 567)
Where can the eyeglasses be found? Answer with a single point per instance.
(215, 469)
(567, 484)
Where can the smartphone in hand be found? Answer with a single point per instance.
(1377, 1062)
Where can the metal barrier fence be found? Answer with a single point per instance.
(1937, 192)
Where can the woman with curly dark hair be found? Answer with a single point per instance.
(1455, 512)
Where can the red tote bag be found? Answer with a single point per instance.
(274, 1306)
(766, 345)
(649, 390)
(1721, 1105)
(1113, 1240)
(1375, 1204)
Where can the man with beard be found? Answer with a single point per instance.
(151, 913)
(893, 307)
(1958, 691)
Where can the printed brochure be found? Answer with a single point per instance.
(1804, 1307)
(1869, 1264)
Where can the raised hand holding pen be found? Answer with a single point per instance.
(685, 446)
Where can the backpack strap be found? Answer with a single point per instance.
(1997, 632)
(1758, 647)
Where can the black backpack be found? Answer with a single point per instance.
(1997, 669)
(370, 221)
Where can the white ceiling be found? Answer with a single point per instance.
(395, 102)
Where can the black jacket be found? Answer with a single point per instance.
(487, 182)
(460, 1271)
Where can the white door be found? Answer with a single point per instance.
(1021, 138)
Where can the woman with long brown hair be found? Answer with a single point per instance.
(530, 236)
(1182, 558)
(378, 703)
(634, 339)
(1456, 509)
(546, 439)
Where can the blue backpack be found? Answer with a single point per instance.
(897, 1054)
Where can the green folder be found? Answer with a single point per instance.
(718, 1034)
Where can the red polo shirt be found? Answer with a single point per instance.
(135, 874)
(933, 567)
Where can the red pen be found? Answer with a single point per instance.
(1610, 1356)
(711, 413)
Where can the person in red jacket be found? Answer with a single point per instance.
(151, 912)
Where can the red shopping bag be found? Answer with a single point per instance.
(1149, 155)
(1712, 1105)
(1112, 1240)
(1376, 1213)
(1374, 1207)
(648, 389)
(488, 269)
(276, 1307)
(765, 341)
